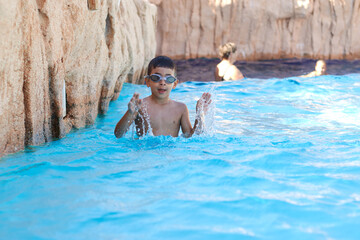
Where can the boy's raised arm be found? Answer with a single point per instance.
(201, 110)
(125, 122)
(202, 106)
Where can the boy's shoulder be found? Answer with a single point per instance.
(146, 98)
(179, 104)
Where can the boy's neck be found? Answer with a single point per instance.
(160, 100)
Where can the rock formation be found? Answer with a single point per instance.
(84, 49)
(262, 29)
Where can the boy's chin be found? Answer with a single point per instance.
(161, 95)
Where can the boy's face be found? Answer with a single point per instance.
(161, 89)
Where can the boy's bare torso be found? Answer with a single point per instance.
(163, 118)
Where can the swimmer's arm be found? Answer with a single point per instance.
(124, 124)
(131, 114)
(216, 74)
(311, 74)
(185, 124)
(201, 109)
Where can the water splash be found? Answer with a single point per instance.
(146, 120)
(145, 128)
(208, 128)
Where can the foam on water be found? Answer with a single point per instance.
(279, 159)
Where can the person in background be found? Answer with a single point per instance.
(320, 69)
(226, 70)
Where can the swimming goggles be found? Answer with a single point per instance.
(157, 78)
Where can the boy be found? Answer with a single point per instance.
(320, 69)
(157, 111)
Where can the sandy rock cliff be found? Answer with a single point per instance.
(262, 29)
(87, 49)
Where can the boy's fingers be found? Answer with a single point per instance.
(206, 96)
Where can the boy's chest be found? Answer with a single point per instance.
(165, 119)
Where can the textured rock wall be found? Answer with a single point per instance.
(262, 29)
(90, 47)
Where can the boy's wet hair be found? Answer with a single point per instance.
(161, 61)
(226, 49)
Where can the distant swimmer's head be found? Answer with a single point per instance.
(161, 62)
(320, 67)
(226, 50)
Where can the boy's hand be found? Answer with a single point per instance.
(203, 104)
(134, 104)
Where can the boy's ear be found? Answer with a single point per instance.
(175, 83)
(147, 82)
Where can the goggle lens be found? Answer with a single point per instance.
(157, 78)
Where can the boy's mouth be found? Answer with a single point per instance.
(160, 90)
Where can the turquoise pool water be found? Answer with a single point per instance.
(280, 160)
